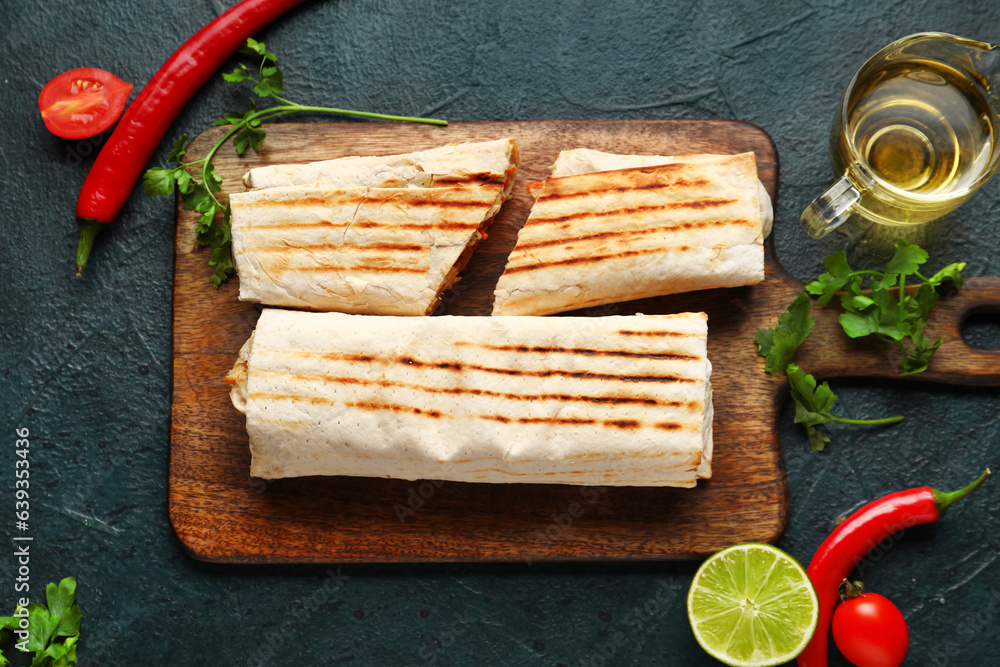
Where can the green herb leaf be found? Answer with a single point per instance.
(253, 47)
(272, 82)
(238, 75)
(884, 316)
(179, 149)
(812, 405)
(248, 137)
(60, 598)
(158, 181)
(212, 178)
(905, 262)
(778, 345)
(41, 625)
(950, 277)
(237, 117)
(184, 180)
(837, 276)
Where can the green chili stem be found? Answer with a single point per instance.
(945, 499)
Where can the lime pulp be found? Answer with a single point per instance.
(752, 605)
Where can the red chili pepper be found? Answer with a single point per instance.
(851, 541)
(142, 128)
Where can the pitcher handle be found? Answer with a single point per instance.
(831, 209)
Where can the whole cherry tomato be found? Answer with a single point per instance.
(869, 629)
(82, 102)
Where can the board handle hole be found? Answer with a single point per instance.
(981, 328)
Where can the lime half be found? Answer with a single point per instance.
(752, 605)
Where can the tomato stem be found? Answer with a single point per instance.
(850, 589)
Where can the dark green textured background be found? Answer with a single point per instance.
(86, 362)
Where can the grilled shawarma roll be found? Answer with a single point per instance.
(377, 236)
(613, 236)
(611, 400)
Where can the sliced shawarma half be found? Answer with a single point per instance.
(565, 400)
(473, 163)
(376, 251)
(587, 160)
(614, 236)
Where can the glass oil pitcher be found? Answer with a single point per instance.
(915, 135)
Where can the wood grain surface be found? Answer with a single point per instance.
(221, 514)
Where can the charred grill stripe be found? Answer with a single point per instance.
(459, 367)
(376, 405)
(632, 210)
(671, 334)
(370, 224)
(461, 391)
(583, 375)
(471, 179)
(349, 247)
(409, 197)
(627, 233)
(669, 426)
(360, 268)
(593, 258)
(670, 356)
(657, 185)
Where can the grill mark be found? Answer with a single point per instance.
(699, 204)
(410, 197)
(670, 356)
(585, 375)
(369, 224)
(671, 334)
(686, 463)
(592, 258)
(350, 269)
(402, 247)
(460, 391)
(457, 367)
(629, 424)
(625, 233)
(477, 179)
(679, 183)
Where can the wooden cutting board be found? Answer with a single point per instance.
(222, 514)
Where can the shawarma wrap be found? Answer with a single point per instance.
(610, 400)
(379, 236)
(626, 234)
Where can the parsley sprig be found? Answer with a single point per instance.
(246, 132)
(899, 318)
(887, 310)
(52, 630)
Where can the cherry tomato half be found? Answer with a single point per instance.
(82, 102)
(870, 631)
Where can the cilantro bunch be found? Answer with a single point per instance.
(898, 317)
(201, 196)
(887, 310)
(53, 628)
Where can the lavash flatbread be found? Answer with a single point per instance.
(349, 245)
(587, 160)
(613, 236)
(610, 400)
(469, 163)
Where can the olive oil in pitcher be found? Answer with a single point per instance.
(918, 126)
